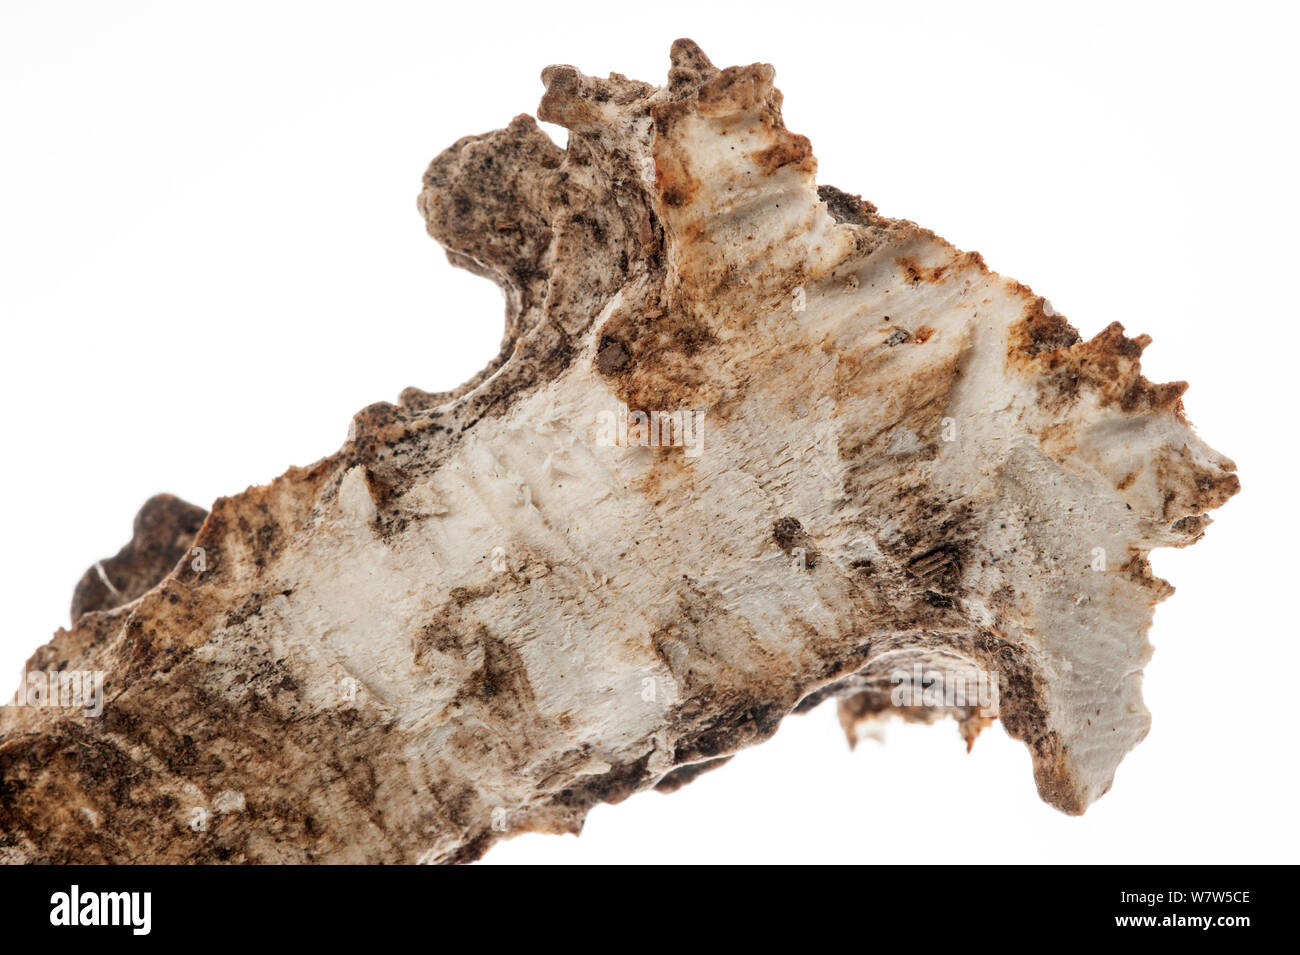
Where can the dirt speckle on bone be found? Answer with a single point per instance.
(748, 446)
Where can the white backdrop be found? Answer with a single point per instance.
(210, 258)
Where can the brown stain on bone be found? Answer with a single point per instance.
(1108, 365)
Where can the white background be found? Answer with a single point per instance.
(210, 258)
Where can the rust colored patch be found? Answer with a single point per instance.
(1138, 569)
(655, 359)
(791, 149)
(1040, 332)
(676, 185)
(1191, 489)
(1107, 364)
(917, 273)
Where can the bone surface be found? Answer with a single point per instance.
(748, 446)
